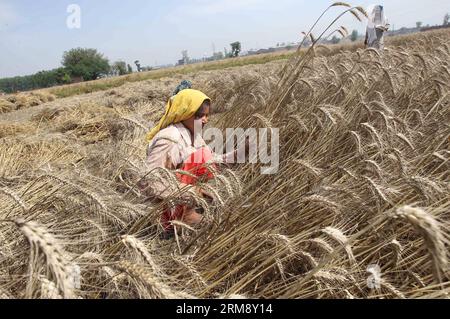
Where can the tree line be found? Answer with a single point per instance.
(77, 65)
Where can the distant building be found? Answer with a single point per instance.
(285, 47)
(402, 31)
(437, 27)
(185, 60)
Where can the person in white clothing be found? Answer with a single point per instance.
(376, 27)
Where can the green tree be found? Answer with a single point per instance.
(42, 79)
(63, 76)
(235, 48)
(86, 63)
(354, 36)
(446, 19)
(418, 24)
(130, 69)
(119, 68)
(335, 40)
(66, 79)
(138, 65)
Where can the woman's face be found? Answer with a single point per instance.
(200, 118)
(203, 114)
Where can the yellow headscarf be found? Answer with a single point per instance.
(179, 108)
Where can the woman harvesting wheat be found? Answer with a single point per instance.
(175, 144)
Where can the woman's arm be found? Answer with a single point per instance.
(232, 157)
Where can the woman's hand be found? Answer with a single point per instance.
(204, 193)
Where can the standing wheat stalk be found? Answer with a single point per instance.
(62, 269)
(430, 229)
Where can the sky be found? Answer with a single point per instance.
(34, 34)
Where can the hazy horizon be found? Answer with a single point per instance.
(34, 35)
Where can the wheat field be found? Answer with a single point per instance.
(362, 192)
